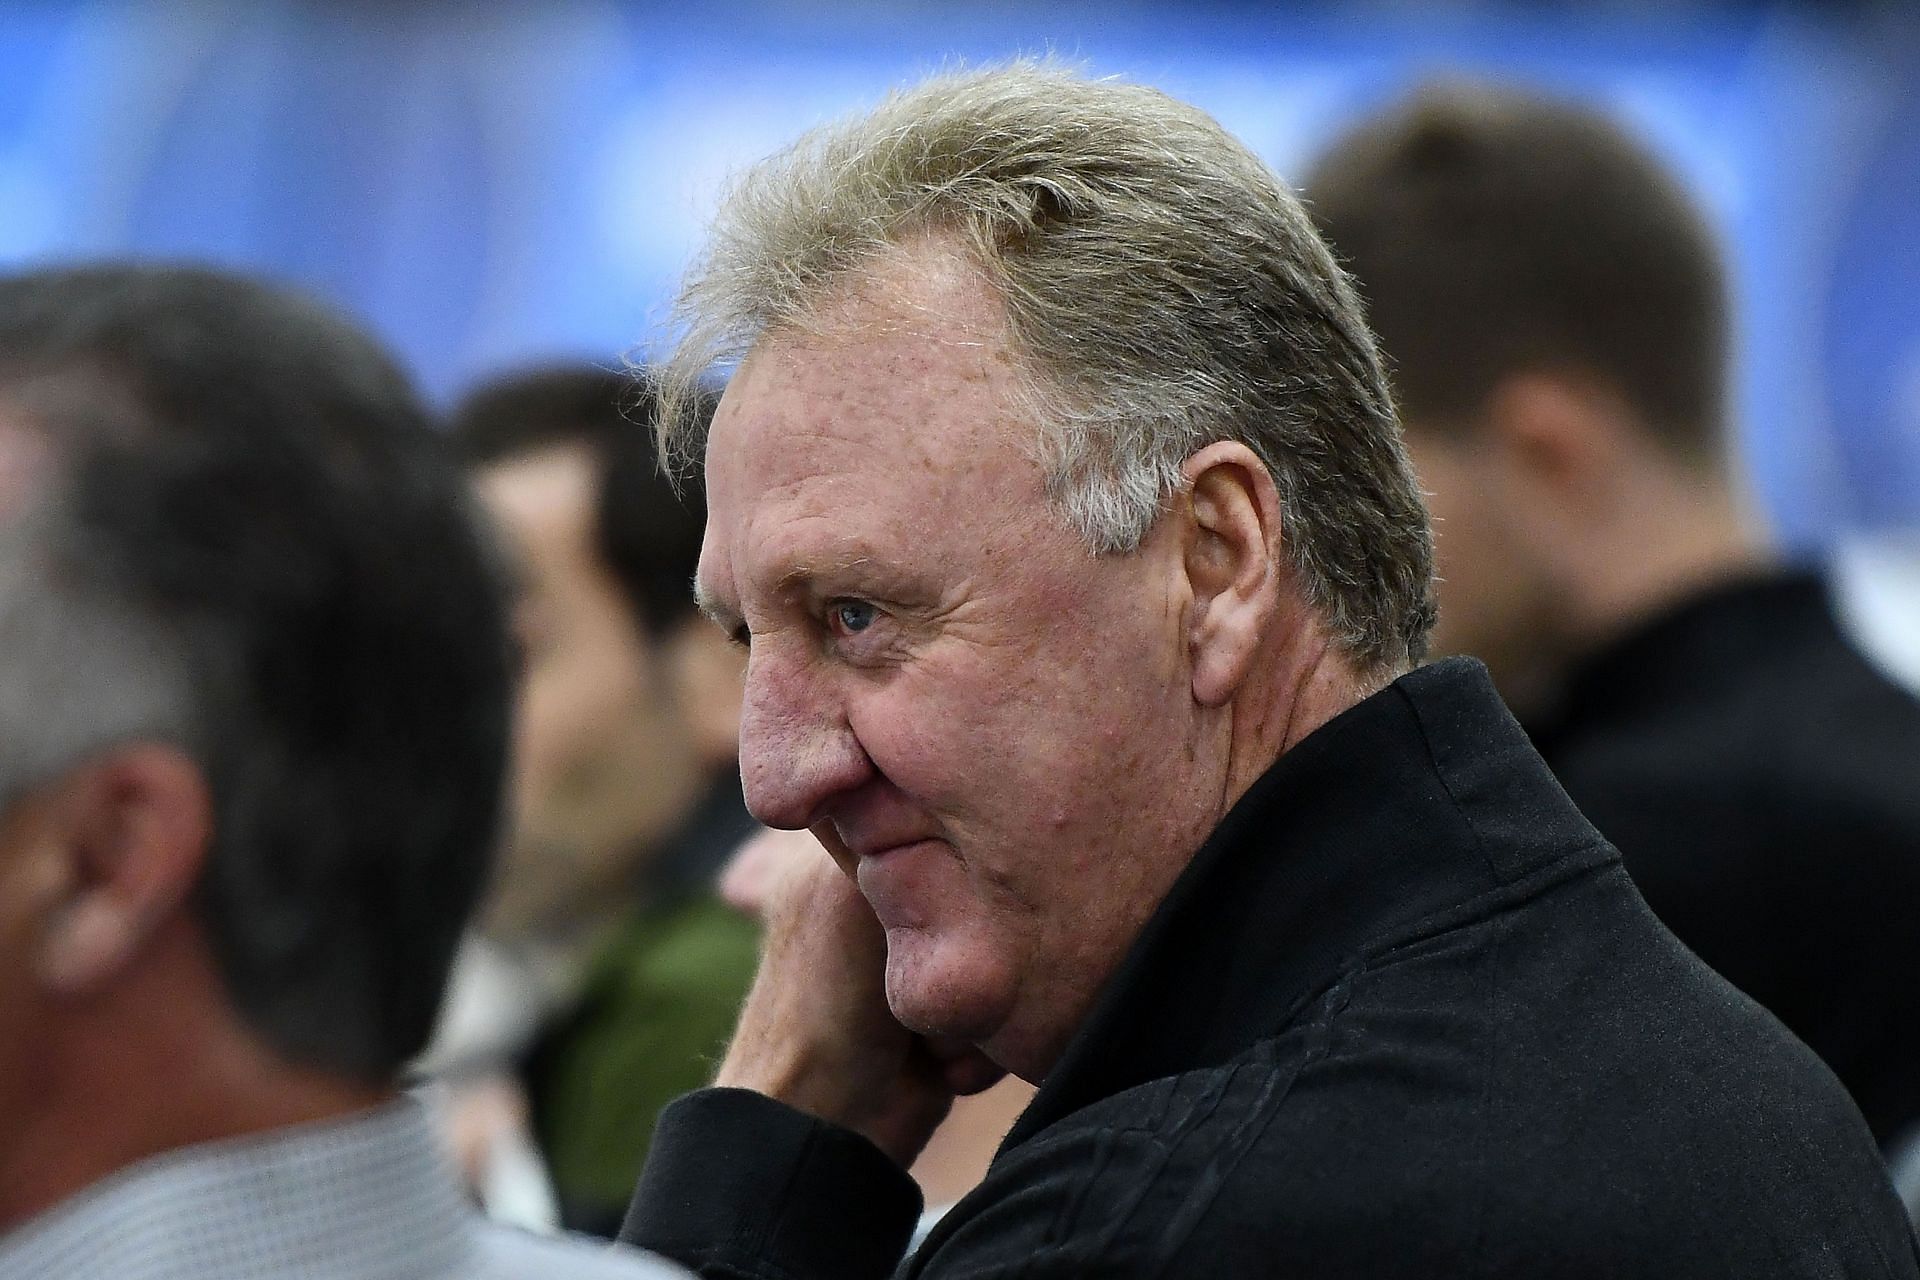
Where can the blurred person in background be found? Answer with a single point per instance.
(254, 700)
(626, 796)
(1554, 313)
(1058, 500)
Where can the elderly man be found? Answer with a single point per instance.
(1567, 414)
(1060, 501)
(254, 720)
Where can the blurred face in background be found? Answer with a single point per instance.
(1494, 559)
(604, 764)
(24, 885)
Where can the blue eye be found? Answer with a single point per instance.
(852, 616)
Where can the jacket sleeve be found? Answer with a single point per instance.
(738, 1186)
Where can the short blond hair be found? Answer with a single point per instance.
(1163, 290)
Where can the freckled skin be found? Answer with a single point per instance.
(1017, 713)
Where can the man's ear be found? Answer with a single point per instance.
(133, 827)
(1557, 437)
(1232, 549)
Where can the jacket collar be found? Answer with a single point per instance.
(1704, 645)
(1417, 801)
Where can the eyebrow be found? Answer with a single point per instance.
(801, 574)
(798, 575)
(711, 608)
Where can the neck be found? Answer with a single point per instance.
(142, 1072)
(1297, 683)
(1672, 545)
(681, 783)
(1304, 687)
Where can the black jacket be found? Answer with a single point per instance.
(1403, 1016)
(1762, 782)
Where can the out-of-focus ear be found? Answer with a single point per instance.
(132, 828)
(1232, 540)
(709, 673)
(1558, 437)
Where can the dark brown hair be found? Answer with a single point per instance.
(1494, 232)
(647, 533)
(256, 528)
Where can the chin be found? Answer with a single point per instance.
(944, 991)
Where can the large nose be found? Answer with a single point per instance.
(798, 753)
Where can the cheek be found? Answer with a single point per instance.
(569, 711)
(930, 736)
(1028, 743)
(32, 885)
(542, 730)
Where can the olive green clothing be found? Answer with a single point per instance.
(657, 1007)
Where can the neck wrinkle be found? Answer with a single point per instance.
(1312, 689)
(1671, 537)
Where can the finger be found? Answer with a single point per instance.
(829, 839)
(743, 882)
(753, 875)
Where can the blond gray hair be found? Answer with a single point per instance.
(1162, 289)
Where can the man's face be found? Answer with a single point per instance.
(594, 729)
(1493, 599)
(992, 728)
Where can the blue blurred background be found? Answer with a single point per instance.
(494, 184)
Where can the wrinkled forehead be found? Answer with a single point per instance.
(911, 359)
(842, 412)
(900, 428)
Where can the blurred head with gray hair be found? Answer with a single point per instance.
(1050, 401)
(253, 713)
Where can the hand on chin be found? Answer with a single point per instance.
(816, 1031)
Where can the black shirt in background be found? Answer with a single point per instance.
(1762, 782)
(1404, 1015)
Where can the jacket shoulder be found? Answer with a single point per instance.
(1220, 1171)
